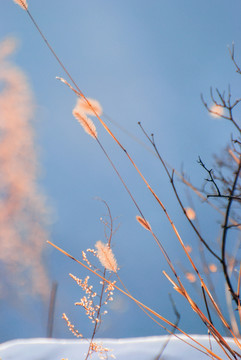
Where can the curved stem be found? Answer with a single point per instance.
(224, 237)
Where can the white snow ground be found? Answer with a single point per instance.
(147, 348)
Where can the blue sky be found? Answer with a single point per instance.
(143, 61)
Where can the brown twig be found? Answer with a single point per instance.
(225, 104)
(171, 178)
(224, 236)
(211, 178)
(231, 52)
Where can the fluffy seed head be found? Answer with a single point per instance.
(22, 3)
(143, 223)
(84, 108)
(86, 123)
(106, 256)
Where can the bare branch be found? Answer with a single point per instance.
(231, 52)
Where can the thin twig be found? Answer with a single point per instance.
(171, 178)
(231, 52)
(210, 173)
(224, 237)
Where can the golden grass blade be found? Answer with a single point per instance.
(196, 309)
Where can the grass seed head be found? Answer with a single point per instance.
(143, 223)
(86, 123)
(84, 108)
(106, 256)
(22, 3)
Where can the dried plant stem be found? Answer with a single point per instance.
(127, 189)
(170, 176)
(206, 321)
(231, 52)
(79, 93)
(164, 209)
(224, 237)
(238, 293)
(103, 285)
(97, 316)
(169, 219)
(180, 203)
(154, 313)
(201, 196)
(214, 331)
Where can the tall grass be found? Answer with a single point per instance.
(225, 189)
(23, 210)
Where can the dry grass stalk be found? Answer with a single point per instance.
(179, 287)
(84, 108)
(166, 213)
(221, 341)
(92, 309)
(201, 348)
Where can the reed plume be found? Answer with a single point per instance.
(23, 213)
(83, 108)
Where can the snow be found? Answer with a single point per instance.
(146, 348)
